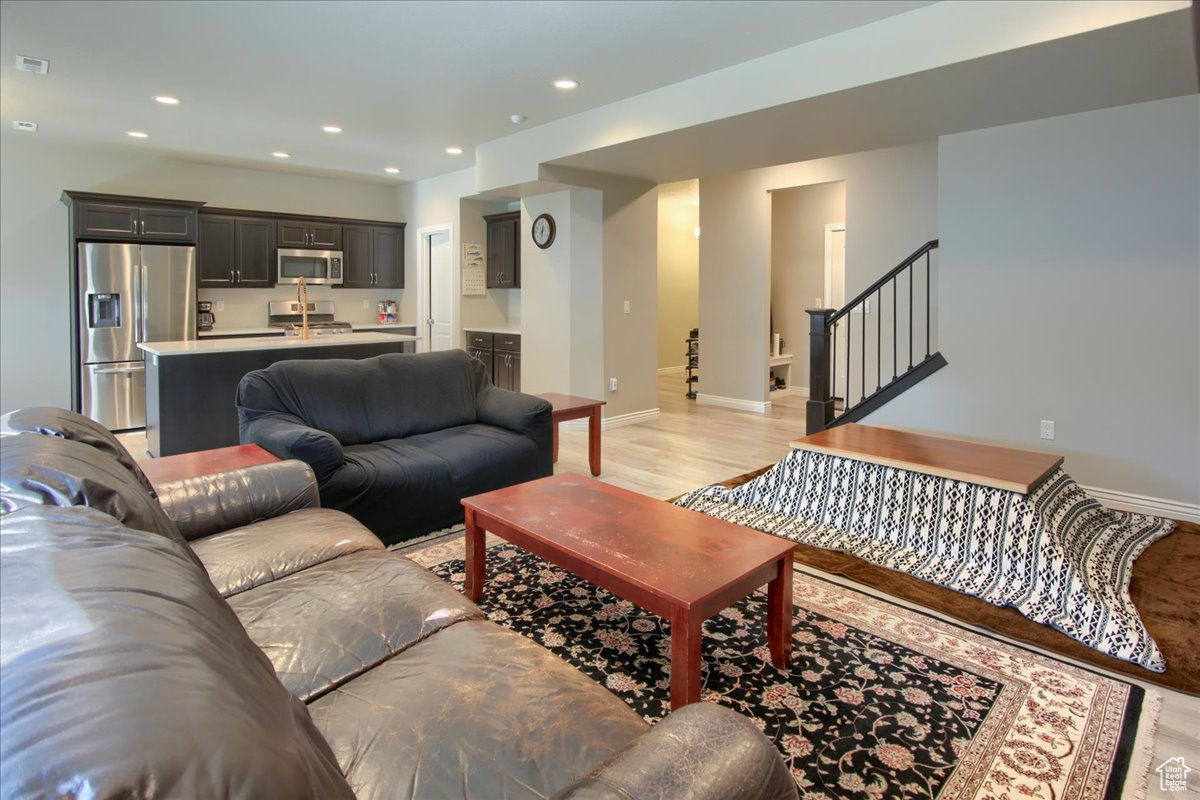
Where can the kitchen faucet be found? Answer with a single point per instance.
(302, 299)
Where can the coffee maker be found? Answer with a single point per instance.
(204, 316)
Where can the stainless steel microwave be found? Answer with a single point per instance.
(317, 267)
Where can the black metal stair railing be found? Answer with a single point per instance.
(837, 397)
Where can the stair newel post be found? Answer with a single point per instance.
(820, 369)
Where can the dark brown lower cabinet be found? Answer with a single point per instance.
(506, 361)
(500, 353)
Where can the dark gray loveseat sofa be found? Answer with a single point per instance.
(396, 441)
(225, 637)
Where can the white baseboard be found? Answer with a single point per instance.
(799, 391)
(619, 421)
(670, 370)
(1140, 504)
(733, 402)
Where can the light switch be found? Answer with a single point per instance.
(626, 306)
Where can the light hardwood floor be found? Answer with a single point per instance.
(693, 445)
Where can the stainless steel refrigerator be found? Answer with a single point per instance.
(129, 293)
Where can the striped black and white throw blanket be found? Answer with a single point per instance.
(1056, 555)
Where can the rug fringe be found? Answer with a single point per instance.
(429, 538)
(1142, 760)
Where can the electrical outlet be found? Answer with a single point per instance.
(626, 306)
(366, 303)
(612, 384)
(1047, 429)
(818, 302)
(220, 305)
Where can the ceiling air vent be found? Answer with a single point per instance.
(22, 125)
(38, 66)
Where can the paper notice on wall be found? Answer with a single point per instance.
(474, 270)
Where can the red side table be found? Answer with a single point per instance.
(204, 462)
(569, 407)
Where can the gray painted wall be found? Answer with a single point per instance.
(630, 274)
(34, 252)
(1070, 277)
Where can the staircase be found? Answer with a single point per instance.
(874, 335)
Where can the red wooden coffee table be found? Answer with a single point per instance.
(570, 407)
(679, 564)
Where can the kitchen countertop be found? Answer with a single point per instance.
(491, 329)
(269, 343)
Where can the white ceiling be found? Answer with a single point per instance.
(1149, 59)
(404, 79)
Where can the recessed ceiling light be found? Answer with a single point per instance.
(454, 151)
(138, 134)
(566, 84)
(281, 154)
(331, 129)
(166, 99)
(392, 170)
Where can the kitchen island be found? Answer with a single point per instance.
(191, 386)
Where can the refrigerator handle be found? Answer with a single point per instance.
(140, 301)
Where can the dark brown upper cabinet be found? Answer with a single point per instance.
(374, 256)
(132, 219)
(504, 250)
(235, 252)
(304, 233)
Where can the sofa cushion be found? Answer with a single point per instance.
(366, 400)
(336, 620)
(48, 471)
(476, 711)
(265, 551)
(427, 475)
(124, 674)
(66, 424)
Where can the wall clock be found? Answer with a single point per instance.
(543, 231)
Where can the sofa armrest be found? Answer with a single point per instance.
(701, 752)
(288, 437)
(514, 411)
(207, 504)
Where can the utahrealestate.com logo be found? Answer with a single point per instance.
(1172, 775)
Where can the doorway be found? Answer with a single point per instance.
(803, 220)
(437, 295)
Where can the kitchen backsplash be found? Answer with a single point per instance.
(247, 308)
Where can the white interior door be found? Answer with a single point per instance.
(835, 297)
(439, 266)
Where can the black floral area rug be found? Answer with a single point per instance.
(879, 702)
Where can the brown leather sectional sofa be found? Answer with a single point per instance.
(226, 637)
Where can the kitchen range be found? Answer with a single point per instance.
(289, 315)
